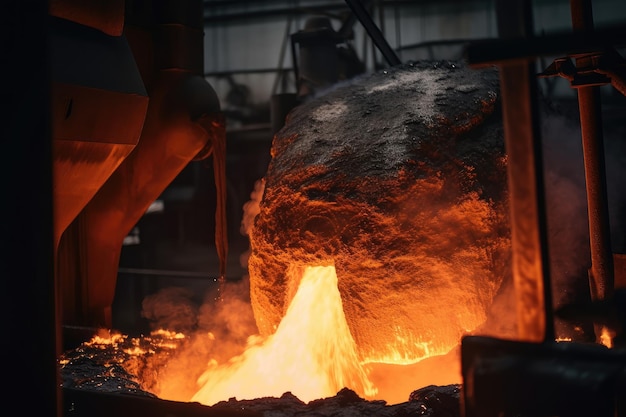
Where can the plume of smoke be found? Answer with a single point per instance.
(215, 330)
(566, 205)
(250, 210)
(172, 309)
(230, 320)
(252, 207)
(567, 221)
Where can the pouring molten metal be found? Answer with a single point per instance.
(381, 238)
(397, 180)
(311, 354)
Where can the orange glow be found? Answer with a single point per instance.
(606, 337)
(311, 354)
(104, 337)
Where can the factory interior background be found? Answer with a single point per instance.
(249, 61)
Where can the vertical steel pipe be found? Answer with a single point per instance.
(601, 280)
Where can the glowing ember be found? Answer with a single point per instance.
(114, 362)
(106, 338)
(606, 337)
(311, 354)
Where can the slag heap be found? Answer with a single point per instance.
(399, 181)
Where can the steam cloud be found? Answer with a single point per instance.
(172, 309)
(568, 227)
(215, 330)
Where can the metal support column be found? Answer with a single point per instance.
(525, 181)
(601, 271)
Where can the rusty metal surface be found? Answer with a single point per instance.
(525, 178)
(601, 280)
(528, 230)
(87, 147)
(182, 122)
(500, 376)
(94, 81)
(168, 143)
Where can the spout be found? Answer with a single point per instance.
(215, 127)
(198, 97)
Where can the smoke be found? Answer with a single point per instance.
(567, 222)
(176, 310)
(566, 205)
(230, 319)
(250, 210)
(215, 329)
(172, 309)
(252, 207)
(566, 199)
(219, 330)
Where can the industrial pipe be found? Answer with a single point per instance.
(601, 271)
(183, 123)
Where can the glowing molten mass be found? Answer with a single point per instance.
(399, 181)
(311, 355)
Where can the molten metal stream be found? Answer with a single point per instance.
(311, 354)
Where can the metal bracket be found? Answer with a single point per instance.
(591, 69)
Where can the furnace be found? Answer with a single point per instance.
(396, 181)
(381, 238)
(384, 219)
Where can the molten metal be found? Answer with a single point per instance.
(312, 354)
(399, 181)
